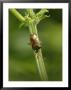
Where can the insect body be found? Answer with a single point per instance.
(35, 42)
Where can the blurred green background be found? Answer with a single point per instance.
(22, 63)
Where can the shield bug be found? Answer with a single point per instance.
(35, 42)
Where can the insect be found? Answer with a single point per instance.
(35, 42)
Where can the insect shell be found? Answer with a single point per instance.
(35, 42)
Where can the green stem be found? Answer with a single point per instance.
(38, 56)
(40, 65)
(30, 29)
(18, 15)
(40, 62)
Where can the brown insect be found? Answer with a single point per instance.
(35, 42)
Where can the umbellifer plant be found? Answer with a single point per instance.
(31, 20)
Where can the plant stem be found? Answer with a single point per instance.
(18, 15)
(40, 63)
(41, 66)
(38, 56)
